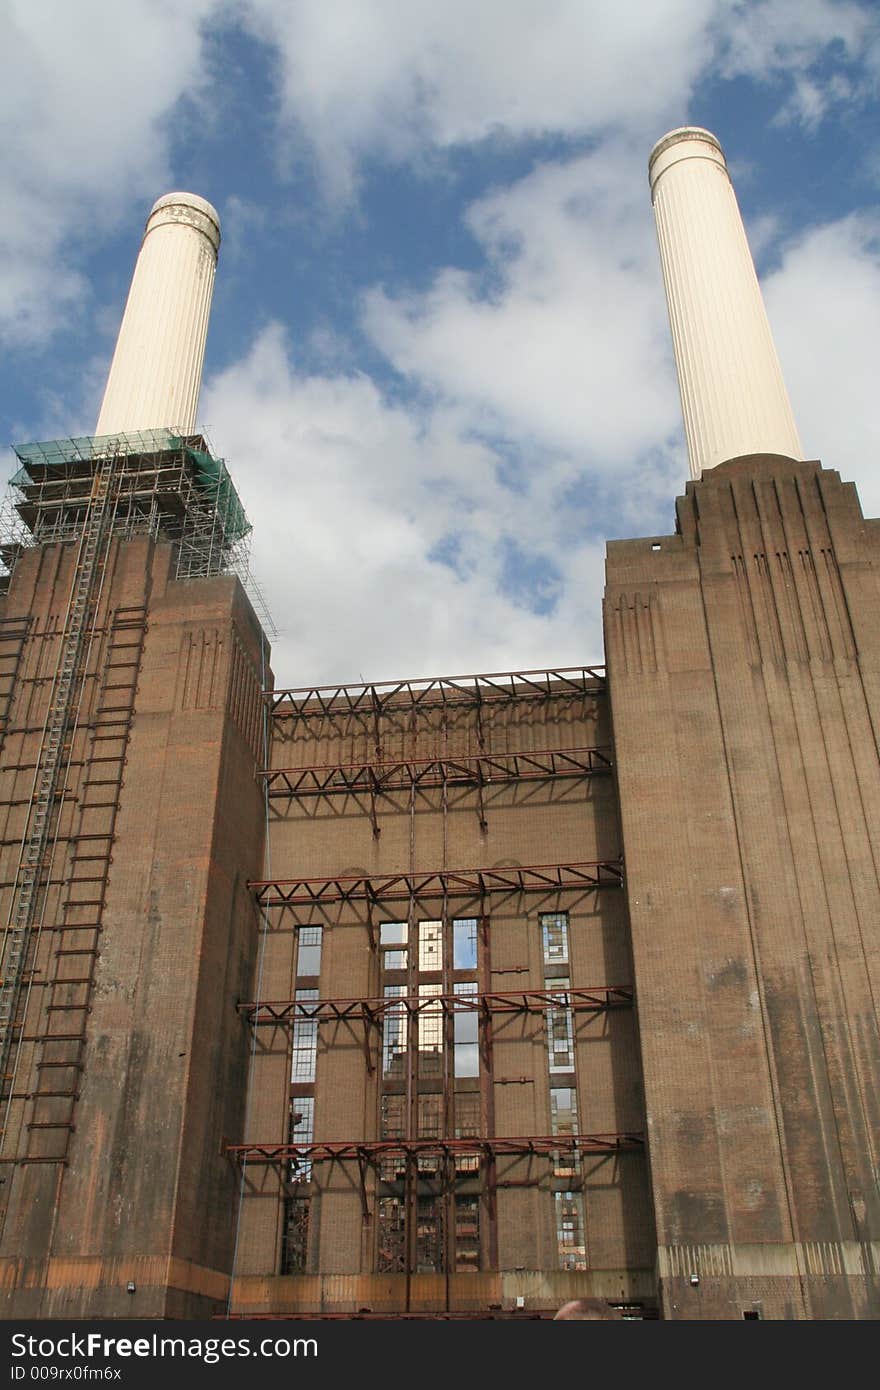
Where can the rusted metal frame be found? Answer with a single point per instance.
(370, 1021)
(481, 804)
(374, 822)
(371, 926)
(363, 1169)
(327, 779)
(588, 999)
(434, 691)
(584, 874)
(376, 706)
(374, 1150)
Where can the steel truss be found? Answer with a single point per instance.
(586, 875)
(432, 692)
(325, 779)
(372, 1011)
(372, 1151)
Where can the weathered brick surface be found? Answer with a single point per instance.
(743, 664)
(544, 821)
(145, 1193)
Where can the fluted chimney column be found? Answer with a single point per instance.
(156, 372)
(733, 396)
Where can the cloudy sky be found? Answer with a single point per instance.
(439, 364)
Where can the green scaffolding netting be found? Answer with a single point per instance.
(210, 474)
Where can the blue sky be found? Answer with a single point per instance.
(439, 363)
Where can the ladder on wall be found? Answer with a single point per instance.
(49, 776)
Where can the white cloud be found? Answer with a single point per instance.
(394, 79)
(569, 345)
(351, 497)
(400, 80)
(824, 302)
(84, 91)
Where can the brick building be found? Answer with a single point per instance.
(453, 996)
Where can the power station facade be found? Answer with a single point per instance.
(458, 996)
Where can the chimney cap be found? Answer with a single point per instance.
(190, 208)
(687, 142)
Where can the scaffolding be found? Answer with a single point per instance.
(165, 485)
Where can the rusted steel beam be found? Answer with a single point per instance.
(480, 770)
(435, 691)
(476, 1146)
(524, 878)
(590, 999)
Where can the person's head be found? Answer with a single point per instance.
(586, 1309)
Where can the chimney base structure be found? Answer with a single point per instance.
(744, 675)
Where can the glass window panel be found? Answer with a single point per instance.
(467, 1124)
(393, 1126)
(429, 1236)
(467, 1052)
(467, 1233)
(393, 934)
(430, 946)
(560, 1033)
(391, 1236)
(308, 955)
(464, 943)
(467, 1114)
(305, 1041)
(564, 1120)
(430, 1127)
(570, 1230)
(430, 1020)
(554, 933)
(295, 1235)
(563, 1110)
(394, 1033)
(301, 1131)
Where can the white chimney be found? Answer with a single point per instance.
(156, 372)
(733, 396)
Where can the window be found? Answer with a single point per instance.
(464, 943)
(430, 946)
(430, 1031)
(560, 1031)
(570, 1230)
(430, 1127)
(467, 1124)
(393, 1126)
(295, 1235)
(308, 952)
(392, 1236)
(392, 943)
(564, 1120)
(305, 1039)
(295, 1231)
(554, 933)
(394, 1033)
(301, 1131)
(467, 1233)
(467, 1052)
(429, 1236)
